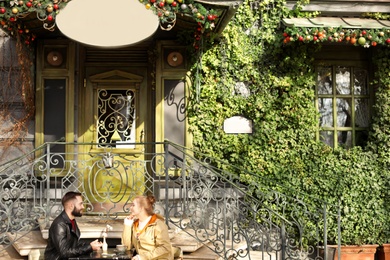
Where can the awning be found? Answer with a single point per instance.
(335, 22)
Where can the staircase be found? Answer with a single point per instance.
(211, 214)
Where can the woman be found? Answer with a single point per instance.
(146, 232)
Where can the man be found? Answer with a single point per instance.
(64, 233)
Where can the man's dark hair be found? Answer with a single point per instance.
(71, 195)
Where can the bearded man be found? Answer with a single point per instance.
(64, 234)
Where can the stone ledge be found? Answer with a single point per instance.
(26, 241)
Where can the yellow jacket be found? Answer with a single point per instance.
(152, 243)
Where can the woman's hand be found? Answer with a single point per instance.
(129, 220)
(131, 217)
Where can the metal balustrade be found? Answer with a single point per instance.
(196, 193)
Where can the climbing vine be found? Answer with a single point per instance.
(265, 72)
(17, 93)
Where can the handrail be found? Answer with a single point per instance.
(191, 191)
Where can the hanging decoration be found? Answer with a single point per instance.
(46, 11)
(167, 10)
(12, 11)
(358, 37)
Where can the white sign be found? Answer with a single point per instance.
(105, 23)
(237, 125)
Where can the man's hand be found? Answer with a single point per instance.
(96, 245)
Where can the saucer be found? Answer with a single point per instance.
(120, 252)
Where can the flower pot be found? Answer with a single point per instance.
(383, 252)
(363, 252)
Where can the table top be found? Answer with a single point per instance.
(110, 254)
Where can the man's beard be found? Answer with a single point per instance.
(77, 213)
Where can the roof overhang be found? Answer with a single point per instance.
(38, 28)
(344, 7)
(335, 22)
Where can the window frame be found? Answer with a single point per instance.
(335, 129)
(48, 72)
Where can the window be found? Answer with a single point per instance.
(116, 116)
(343, 101)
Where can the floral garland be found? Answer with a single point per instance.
(357, 37)
(12, 11)
(167, 11)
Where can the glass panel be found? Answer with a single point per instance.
(360, 84)
(343, 81)
(344, 112)
(344, 139)
(362, 113)
(174, 113)
(325, 106)
(116, 117)
(361, 138)
(327, 137)
(54, 107)
(324, 79)
(54, 126)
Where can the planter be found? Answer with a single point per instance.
(383, 252)
(363, 252)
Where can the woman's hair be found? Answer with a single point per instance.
(147, 202)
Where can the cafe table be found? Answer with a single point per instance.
(109, 254)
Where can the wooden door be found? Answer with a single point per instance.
(113, 108)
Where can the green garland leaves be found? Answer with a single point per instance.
(12, 11)
(357, 37)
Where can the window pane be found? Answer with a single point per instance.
(324, 78)
(343, 112)
(327, 137)
(362, 115)
(344, 138)
(343, 81)
(325, 105)
(361, 138)
(54, 126)
(175, 114)
(54, 107)
(360, 84)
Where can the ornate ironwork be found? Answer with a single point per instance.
(116, 116)
(236, 221)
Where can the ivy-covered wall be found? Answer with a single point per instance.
(282, 153)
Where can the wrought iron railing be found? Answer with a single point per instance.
(202, 196)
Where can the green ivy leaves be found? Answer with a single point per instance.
(282, 153)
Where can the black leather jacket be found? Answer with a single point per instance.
(63, 242)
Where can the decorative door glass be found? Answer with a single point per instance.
(116, 122)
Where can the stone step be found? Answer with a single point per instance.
(202, 253)
(186, 242)
(9, 253)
